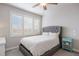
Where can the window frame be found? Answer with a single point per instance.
(15, 13)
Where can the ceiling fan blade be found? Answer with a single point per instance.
(45, 7)
(53, 3)
(36, 4)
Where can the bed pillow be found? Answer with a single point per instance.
(56, 34)
(45, 33)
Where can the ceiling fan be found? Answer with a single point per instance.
(44, 5)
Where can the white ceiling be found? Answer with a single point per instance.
(28, 7)
(38, 10)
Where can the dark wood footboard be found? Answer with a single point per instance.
(52, 51)
(26, 52)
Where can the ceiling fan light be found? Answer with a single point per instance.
(43, 4)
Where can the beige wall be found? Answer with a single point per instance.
(66, 15)
(5, 11)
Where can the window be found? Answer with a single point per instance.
(28, 25)
(32, 25)
(37, 24)
(25, 25)
(16, 25)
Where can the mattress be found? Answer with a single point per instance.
(38, 45)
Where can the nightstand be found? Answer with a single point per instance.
(67, 43)
(2, 46)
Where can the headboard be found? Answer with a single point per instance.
(54, 29)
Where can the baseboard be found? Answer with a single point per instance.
(8, 49)
(76, 50)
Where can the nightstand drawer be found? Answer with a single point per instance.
(67, 39)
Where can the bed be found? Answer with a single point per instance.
(42, 45)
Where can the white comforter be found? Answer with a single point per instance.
(38, 45)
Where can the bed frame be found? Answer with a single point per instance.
(50, 52)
